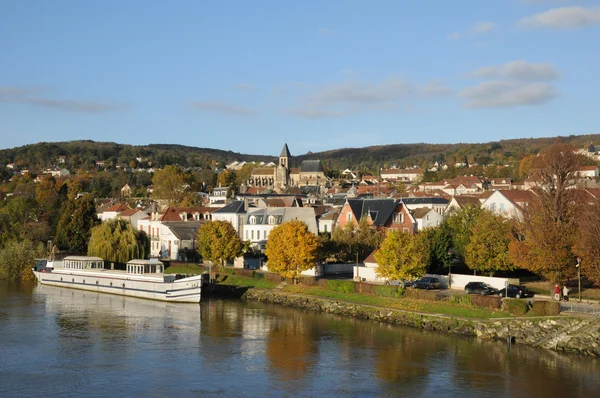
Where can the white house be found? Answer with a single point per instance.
(509, 203)
(258, 223)
(327, 221)
(426, 218)
(233, 213)
(218, 197)
(587, 171)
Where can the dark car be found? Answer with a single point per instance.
(426, 283)
(480, 288)
(515, 291)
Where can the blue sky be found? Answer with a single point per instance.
(248, 76)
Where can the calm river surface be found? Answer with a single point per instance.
(67, 343)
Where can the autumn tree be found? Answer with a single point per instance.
(78, 217)
(401, 256)
(587, 242)
(459, 225)
(168, 184)
(117, 241)
(351, 240)
(226, 178)
(487, 251)
(548, 230)
(218, 242)
(291, 249)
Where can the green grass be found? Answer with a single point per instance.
(240, 281)
(189, 269)
(406, 304)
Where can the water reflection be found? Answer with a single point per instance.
(82, 341)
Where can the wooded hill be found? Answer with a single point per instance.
(84, 154)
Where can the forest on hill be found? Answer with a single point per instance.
(85, 154)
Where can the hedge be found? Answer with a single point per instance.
(341, 286)
(389, 291)
(514, 306)
(491, 302)
(463, 299)
(543, 308)
(430, 295)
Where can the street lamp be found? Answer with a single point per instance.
(579, 276)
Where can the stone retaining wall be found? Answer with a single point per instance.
(574, 335)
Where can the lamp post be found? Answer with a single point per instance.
(450, 269)
(579, 276)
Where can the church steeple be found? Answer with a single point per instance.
(284, 157)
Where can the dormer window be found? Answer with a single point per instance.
(252, 220)
(271, 220)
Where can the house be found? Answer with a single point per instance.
(218, 197)
(61, 159)
(111, 212)
(439, 204)
(367, 272)
(508, 203)
(426, 217)
(126, 191)
(258, 223)
(327, 221)
(382, 214)
(460, 202)
(587, 171)
(178, 238)
(132, 215)
(404, 175)
(233, 213)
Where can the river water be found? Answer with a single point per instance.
(67, 343)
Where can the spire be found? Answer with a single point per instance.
(285, 152)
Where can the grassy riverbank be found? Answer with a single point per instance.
(405, 304)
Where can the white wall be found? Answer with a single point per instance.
(459, 280)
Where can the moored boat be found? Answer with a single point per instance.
(142, 278)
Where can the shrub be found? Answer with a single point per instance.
(514, 306)
(462, 299)
(491, 302)
(543, 308)
(430, 295)
(389, 291)
(341, 286)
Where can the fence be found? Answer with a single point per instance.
(590, 308)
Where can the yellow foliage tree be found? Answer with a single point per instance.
(169, 185)
(487, 251)
(291, 249)
(218, 242)
(401, 256)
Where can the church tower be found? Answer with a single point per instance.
(283, 169)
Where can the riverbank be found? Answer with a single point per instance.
(577, 335)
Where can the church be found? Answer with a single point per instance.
(310, 173)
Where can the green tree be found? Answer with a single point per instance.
(117, 241)
(487, 251)
(169, 185)
(17, 256)
(459, 225)
(291, 249)
(401, 256)
(218, 242)
(77, 219)
(438, 244)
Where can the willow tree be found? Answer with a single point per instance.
(291, 249)
(401, 256)
(219, 242)
(78, 217)
(117, 241)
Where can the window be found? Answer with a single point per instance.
(492, 206)
(428, 217)
(271, 220)
(349, 217)
(501, 206)
(325, 228)
(252, 220)
(252, 234)
(265, 234)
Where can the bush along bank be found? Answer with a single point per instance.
(572, 335)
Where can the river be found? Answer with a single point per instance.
(68, 343)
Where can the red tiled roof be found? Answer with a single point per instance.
(119, 207)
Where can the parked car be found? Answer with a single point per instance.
(399, 283)
(426, 283)
(515, 291)
(480, 288)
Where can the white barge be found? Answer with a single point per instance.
(143, 279)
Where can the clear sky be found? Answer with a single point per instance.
(248, 76)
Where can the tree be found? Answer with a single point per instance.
(438, 244)
(487, 250)
(219, 242)
(401, 256)
(17, 257)
(459, 225)
(291, 249)
(587, 242)
(169, 185)
(547, 233)
(117, 241)
(77, 219)
(351, 240)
